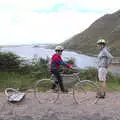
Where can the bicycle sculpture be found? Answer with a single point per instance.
(81, 90)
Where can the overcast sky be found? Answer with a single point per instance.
(48, 21)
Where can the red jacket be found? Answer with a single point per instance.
(56, 61)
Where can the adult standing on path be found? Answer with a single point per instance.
(104, 59)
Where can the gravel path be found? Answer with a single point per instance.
(30, 109)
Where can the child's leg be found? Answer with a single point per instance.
(59, 79)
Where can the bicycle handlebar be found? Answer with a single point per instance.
(75, 68)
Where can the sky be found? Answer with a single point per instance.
(49, 21)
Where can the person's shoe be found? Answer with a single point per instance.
(53, 86)
(65, 91)
(101, 95)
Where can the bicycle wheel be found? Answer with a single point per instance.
(44, 93)
(85, 91)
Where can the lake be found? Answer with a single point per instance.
(28, 52)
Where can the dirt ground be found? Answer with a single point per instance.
(31, 109)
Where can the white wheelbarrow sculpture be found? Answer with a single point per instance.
(14, 95)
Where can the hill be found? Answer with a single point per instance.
(107, 27)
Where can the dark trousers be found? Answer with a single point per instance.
(58, 80)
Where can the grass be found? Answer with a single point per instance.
(26, 75)
(25, 81)
(44, 86)
(15, 80)
(113, 83)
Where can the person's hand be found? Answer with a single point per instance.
(70, 66)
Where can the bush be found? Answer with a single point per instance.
(9, 61)
(113, 81)
(25, 67)
(89, 74)
(40, 68)
(20, 73)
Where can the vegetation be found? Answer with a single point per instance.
(106, 27)
(113, 81)
(19, 73)
(9, 61)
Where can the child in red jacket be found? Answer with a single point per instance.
(56, 61)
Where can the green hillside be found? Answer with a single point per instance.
(107, 27)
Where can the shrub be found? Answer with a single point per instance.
(89, 74)
(40, 68)
(9, 61)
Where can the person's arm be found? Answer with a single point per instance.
(109, 56)
(59, 60)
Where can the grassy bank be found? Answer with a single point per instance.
(15, 80)
(113, 80)
(25, 81)
(16, 72)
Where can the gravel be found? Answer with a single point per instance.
(31, 109)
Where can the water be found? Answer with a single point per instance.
(29, 52)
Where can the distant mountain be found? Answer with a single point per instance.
(106, 27)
